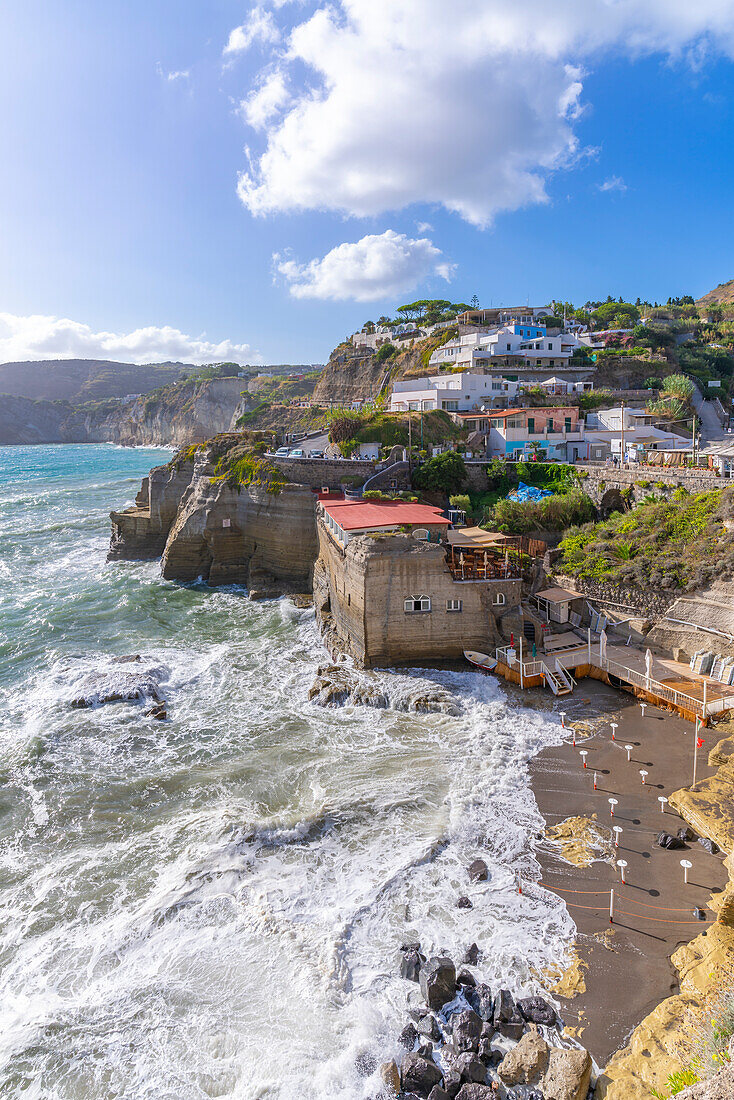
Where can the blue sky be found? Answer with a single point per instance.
(119, 211)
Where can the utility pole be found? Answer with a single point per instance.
(694, 439)
(410, 439)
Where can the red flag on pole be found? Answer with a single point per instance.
(699, 742)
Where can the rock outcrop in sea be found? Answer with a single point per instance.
(209, 525)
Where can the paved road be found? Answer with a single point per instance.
(711, 429)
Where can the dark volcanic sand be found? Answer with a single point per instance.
(627, 982)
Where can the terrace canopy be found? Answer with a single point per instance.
(478, 539)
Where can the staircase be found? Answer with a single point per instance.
(557, 679)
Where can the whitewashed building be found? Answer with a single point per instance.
(457, 392)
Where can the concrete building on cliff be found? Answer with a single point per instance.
(388, 589)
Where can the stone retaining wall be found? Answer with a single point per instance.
(316, 472)
(646, 603)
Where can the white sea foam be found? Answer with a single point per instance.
(213, 905)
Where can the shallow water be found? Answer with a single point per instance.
(212, 906)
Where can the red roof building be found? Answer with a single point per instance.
(347, 519)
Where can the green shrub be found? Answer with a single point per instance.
(385, 352)
(462, 501)
(444, 473)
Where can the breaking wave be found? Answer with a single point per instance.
(213, 905)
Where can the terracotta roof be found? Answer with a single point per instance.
(358, 515)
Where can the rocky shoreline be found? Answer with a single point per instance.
(463, 1042)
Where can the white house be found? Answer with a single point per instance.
(457, 392)
(604, 436)
(527, 345)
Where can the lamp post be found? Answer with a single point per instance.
(629, 749)
(583, 753)
(662, 800)
(643, 773)
(622, 863)
(617, 829)
(686, 865)
(613, 802)
(614, 729)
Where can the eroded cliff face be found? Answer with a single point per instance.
(141, 532)
(206, 526)
(249, 536)
(188, 412)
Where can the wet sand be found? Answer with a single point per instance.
(628, 969)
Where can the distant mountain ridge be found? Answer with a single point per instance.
(80, 380)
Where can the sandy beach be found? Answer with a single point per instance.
(624, 968)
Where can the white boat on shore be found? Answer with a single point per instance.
(480, 660)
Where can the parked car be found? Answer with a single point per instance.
(315, 454)
(297, 453)
(282, 452)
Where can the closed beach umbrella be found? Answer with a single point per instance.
(603, 643)
(648, 663)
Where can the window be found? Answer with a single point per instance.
(453, 605)
(496, 385)
(499, 599)
(567, 424)
(531, 424)
(417, 603)
(450, 406)
(420, 533)
(509, 347)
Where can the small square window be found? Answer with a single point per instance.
(453, 605)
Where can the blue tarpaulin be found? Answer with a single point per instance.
(528, 492)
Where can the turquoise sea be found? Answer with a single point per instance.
(212, 906)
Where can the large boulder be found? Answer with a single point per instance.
(427, 1025)
(411, 963)
(478, 871)
(471, 955)
(507, 1018)
(469, 1068)
(567, 1075)
(481, 1000)
(419, 1075)
(665, 840)
(466, 1030)
(537, 1011)
(526, 1062)
(390, 1075)
(119, 685)
(438, 981)
(476, 1092)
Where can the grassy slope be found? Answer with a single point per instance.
(679, 543)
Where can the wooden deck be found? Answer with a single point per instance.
(669, 684)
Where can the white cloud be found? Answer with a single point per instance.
(614, 183)
(378, 266)
(469, 105)
(259, 27)
(42, 337)
(172, 77)
(266, 100)
(424, 227)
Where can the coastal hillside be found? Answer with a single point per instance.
(723, 294)
(80, 380)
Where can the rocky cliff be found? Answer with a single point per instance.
(189, 411)
(354, 374)
(213, 514)
(26, 421)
